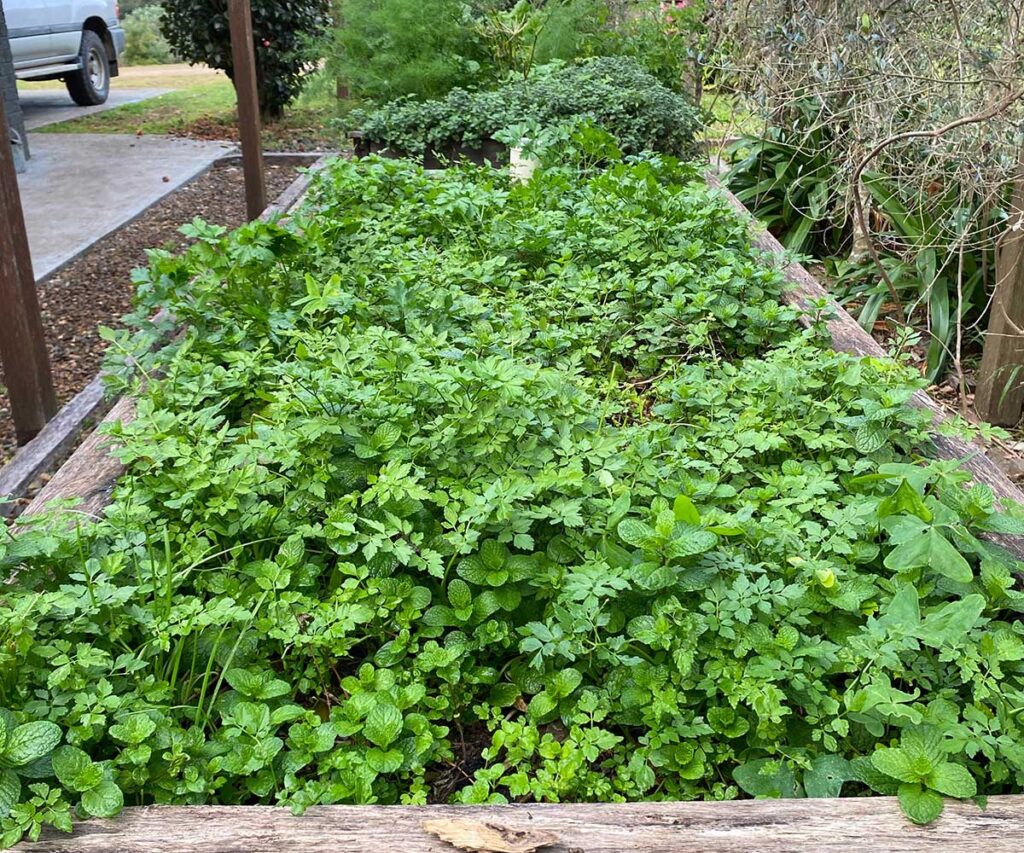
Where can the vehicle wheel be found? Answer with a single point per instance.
(91, 85)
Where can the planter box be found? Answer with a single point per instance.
(867, 824)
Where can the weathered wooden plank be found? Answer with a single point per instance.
(54, 441)
(868, 825)
(849, 336)
(91, 472)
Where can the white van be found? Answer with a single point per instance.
(77, 41)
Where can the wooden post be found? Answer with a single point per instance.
(23, 352)
(341, 92)
(243, 63)
(999, 396)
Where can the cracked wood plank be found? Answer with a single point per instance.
(868, 825)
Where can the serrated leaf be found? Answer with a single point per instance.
(870, 436)
(827, 775)
(29, 742)
(953, 780)
(566, 681)
(919, 804)
(541, 705)
(75, 770)
(385, 436)
(493, 555)
(133, 730)
(105, 800)
(634, 532)
(383, 724)
(689, 541)
(10, 792)
(384, 761)
(894, 762)
(459, 594)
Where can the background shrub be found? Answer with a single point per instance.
(282, 29)
(613, 92)
(389, 48)
(145, 44)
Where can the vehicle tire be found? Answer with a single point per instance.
(90, 86)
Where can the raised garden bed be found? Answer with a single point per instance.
(790, 825)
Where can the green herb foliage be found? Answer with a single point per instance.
(457, 489)
(613, 92)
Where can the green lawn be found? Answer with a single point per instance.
(203, 106)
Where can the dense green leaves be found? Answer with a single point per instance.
(615, 93)
(483, 492)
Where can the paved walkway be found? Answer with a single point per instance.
(81, 186)
(49, 106)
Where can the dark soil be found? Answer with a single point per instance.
(95, 289)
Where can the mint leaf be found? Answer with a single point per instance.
(919, 804)
(104, 800)
(953, 780)
(10, 792)
(383, 725)
(29, 742)
(894, 762)
(634, 532)
(75, 770)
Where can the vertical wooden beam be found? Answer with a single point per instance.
(243, 64)
(999, 396)
(341, 92)
(23, 352)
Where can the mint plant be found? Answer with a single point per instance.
(464, 490)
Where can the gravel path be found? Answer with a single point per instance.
(95, 289)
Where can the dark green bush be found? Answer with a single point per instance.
(197, 30)
(613, 92)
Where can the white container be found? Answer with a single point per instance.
(522, 168)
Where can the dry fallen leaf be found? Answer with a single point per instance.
(483, 837)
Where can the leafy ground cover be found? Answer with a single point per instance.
(457, 489)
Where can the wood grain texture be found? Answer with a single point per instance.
(848, 336)
(91, 472)
(243, 66)
(863, 825)
(23, 354)
(55, 440)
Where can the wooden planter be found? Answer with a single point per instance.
(864, 824)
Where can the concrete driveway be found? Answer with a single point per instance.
(81, 186)
(41, 107)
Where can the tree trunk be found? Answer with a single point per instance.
(1000, 392)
